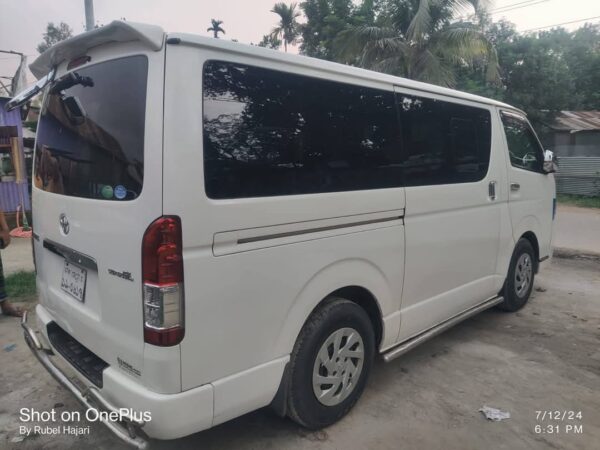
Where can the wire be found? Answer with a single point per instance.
(562, 23)
(507, 8)
(513, 4)
(537, 2)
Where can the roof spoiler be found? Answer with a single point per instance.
(117, 31)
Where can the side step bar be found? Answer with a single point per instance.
(411, 343)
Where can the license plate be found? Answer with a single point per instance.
(73, 281)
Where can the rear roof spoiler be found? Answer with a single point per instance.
(117, 31)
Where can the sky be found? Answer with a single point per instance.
(22, 22)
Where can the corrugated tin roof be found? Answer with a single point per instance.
(576, 121)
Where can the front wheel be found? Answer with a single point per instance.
(330, 363)
(521, 273)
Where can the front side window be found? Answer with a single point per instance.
(268, 133)
(90, 140)
(523, 147)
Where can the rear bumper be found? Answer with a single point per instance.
(90, 397)
(170, 415)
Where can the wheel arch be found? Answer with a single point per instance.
(369, 290)
(528, 228)
(533, 240)
(357, 280)
(367, 301)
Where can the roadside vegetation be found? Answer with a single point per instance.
(20, 284)
(579, 200)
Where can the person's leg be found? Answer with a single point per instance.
(8, 309)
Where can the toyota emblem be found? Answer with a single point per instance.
(64, 223)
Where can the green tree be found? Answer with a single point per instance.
(216, 28)
(270, 41)
(582, 55)
(326, 19)
(288, 29)
(542, 73)
(418, 39)
(53, 35)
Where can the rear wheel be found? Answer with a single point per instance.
(521, 273)
(330, 363)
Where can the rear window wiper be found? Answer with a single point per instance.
(27, 94)
(70, 80)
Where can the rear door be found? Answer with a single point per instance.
(97, 186)
(531, 191)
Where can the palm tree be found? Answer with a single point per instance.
(216, 27)
(419, 40)
(287, 29)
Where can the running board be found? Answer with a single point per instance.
(411, 343)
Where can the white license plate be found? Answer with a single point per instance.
(73, 281)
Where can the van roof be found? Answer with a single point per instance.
(153, 36)
(327, 66)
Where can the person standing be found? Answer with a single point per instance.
(8, 309)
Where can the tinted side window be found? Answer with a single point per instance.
(270, 133)
(443, 142)
(523, 147)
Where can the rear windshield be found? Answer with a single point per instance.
(90, 140)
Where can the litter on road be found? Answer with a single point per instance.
(494, 414)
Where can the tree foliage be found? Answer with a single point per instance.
(270, 41)
(326, 19)
(542, 73)
(53, 35)
(419, 39)
(287, 30)
(215, 27)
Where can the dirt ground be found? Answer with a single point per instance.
(544, 358)
(577, 229)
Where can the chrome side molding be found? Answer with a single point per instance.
(411, 343)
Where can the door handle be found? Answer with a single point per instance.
(492, 190)
(515, 187)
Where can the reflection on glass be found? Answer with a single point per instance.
(523, 147)
(90, 140)
(268, 133)
(273, 133)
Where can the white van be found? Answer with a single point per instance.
(220, 227)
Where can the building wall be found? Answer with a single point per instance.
(13, 194)
(578, 175)
(581, 143)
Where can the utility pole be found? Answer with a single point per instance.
(89, 15)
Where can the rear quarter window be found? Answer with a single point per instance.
(269, 133)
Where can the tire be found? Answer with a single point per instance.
(338, 322)
(520, 278)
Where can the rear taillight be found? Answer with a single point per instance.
(162, 272)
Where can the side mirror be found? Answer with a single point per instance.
(549, 162)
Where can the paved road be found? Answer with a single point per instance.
(577, 229)
(545, 357)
